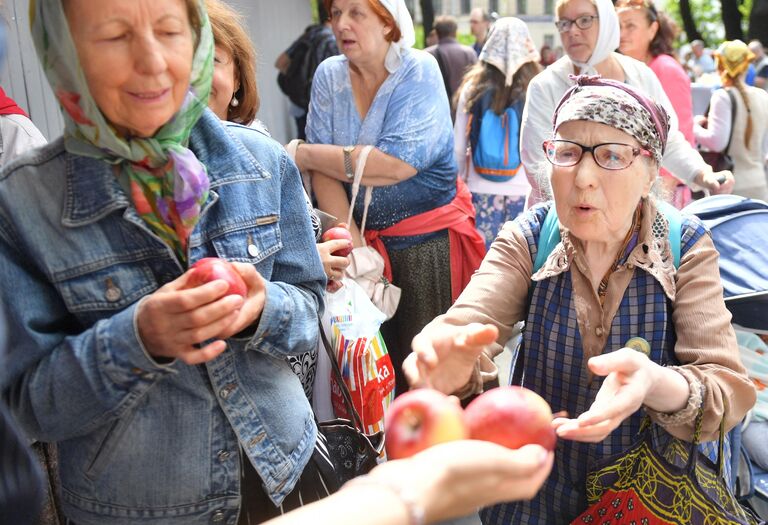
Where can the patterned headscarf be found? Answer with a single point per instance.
(607, 36)
(168, 184)
(404, 23)
(508, 47)
(733, 58)
(617, 105)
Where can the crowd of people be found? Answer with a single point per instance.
(174, 403)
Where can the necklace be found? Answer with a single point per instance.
(632, 234)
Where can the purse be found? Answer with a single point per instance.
(680, 486)
(351, 451)
(366, 264)
(721, 160)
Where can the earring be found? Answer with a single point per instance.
(234, 102)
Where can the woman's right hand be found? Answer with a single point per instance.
(174, 320)
(444, 356)
(333, 265)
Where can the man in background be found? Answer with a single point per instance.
(761, 64)
(479, 25)
(453, 58)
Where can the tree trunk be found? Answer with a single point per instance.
(427, 15)
(731, 19)
(757, 27)
(688, 23)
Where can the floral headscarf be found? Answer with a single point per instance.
(733, 58)
(617, 105)
(508, 47)
(168, 184)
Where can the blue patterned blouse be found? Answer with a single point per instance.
(409, 119)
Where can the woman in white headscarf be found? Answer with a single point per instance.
(589, 30)
(497, 82)
(380, 92)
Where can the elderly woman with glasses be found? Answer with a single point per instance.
(589, 30)
(621, 298)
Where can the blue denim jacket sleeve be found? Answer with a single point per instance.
(100, 371)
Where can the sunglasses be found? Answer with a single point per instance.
(638, 4)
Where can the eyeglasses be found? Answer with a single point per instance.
(608, 155)
(583, 22)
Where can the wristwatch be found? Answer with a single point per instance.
(348, 168)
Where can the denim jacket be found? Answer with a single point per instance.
(141, 441)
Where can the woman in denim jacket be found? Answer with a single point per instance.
(169, 404)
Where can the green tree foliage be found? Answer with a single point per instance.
(710, 20)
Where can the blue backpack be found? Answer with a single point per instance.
(494, 139)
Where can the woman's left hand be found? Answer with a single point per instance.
(253, 305)
(629, 376)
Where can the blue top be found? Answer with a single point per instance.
(409, 119)
(140, 438)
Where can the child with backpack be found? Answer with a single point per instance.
(486, 132)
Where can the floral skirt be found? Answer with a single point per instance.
(492, 211)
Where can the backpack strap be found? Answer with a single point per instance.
(549, 235)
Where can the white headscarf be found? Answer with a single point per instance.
(508, 47)
(405, 25)
(607, 37)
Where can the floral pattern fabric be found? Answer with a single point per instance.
(168, 184)
(493, 211)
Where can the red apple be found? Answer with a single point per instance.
(419, 419)
(337, 232)
(512, 416)
(211, 269)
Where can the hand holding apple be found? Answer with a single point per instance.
(210, 269)
(339, 233)
(419, 419)
(511, 416)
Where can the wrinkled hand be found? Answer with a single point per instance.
(719, 182)
(456, 478)
(444, 356)
(628, 379)
(174, 320)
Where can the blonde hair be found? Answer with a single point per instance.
(561, 4)
(229, 35)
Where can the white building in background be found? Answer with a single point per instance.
(538, 14)
(272, 25)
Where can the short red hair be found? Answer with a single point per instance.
(381, 12)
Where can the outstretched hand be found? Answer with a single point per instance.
(444, 356)
(628, 379)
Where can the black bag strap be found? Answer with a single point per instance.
(733, 119)
(340, 380)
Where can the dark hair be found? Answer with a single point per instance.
(381, 12)
(483, 77)
(663, 41)
(445, 26)
(228, 34)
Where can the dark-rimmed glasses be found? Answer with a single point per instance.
(608, 155)
(583, 22)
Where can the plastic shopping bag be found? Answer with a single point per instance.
(352, 323)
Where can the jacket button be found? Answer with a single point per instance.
(225, 392)
(599, 331)
(113, 293)
(218, 516)
(223, 455)
(253, 251)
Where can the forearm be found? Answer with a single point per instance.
(327, 159)
(332, 198)
(670, 390)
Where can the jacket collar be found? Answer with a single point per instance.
(93, 190)
(652, 253)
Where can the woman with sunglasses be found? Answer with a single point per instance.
(647, 35)
(619, 324)
(589, 30)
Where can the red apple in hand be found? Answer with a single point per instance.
(211, 269)
(337, 232)
(419, 419)
(512, 416)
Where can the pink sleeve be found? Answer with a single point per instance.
(677, 86)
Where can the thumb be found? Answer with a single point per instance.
(624, 360)
(476, 334)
